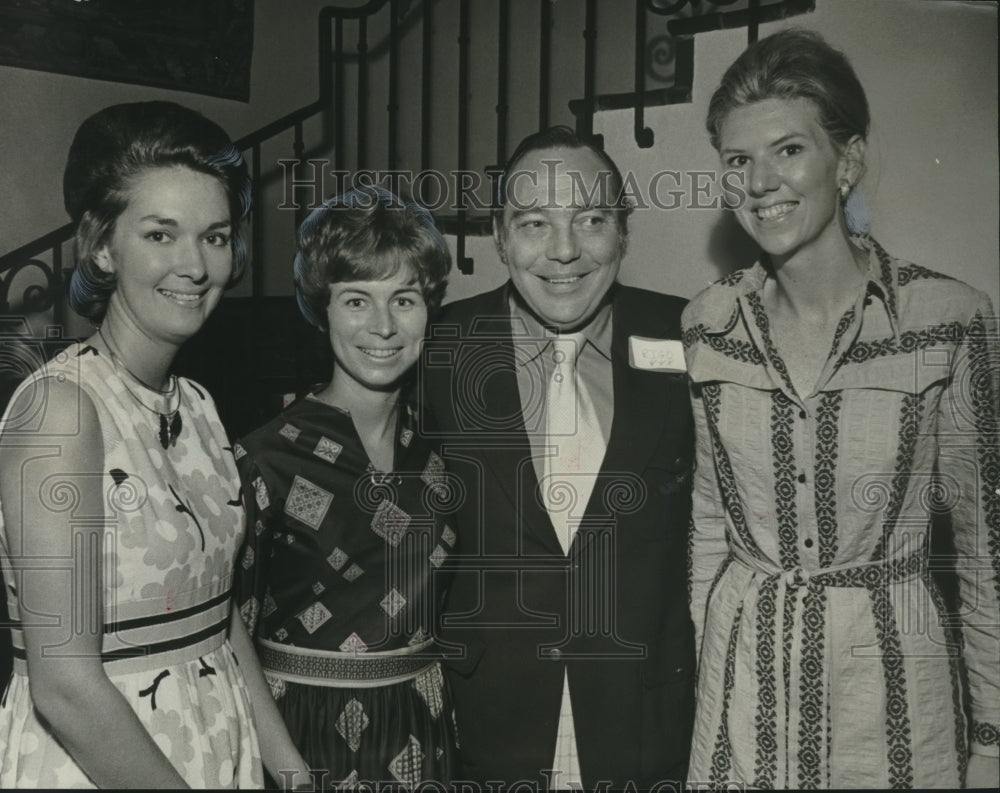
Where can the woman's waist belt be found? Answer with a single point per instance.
(345, 670)
(865, 574)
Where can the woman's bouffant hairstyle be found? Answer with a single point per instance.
(794, 64)
(109, 150)
(367, 234)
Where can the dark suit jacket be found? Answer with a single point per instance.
(614, 611)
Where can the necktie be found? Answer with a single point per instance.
(573, 435)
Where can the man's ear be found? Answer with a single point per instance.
(498, 240)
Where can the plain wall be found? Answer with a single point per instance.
(929, 68)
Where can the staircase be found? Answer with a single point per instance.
(428, 97)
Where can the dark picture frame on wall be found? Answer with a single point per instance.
(201, 46)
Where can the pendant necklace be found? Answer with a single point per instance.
(170, 421)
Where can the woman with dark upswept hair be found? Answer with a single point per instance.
(841, 397)
(120, 498)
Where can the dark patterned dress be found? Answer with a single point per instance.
(174, 526)
(825, 660)
(340, 581)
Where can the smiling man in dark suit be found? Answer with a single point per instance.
(562, 405)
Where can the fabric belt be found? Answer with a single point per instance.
(345, 670)
(866, 574)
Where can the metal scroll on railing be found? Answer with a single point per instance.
(398, 43)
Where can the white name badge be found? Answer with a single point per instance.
(656, 355)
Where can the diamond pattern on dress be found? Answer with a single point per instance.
(318, 588)
(430, 686)
(350, 782)
(448, 535)
(281, 634)
(390, 522)
(337, 559)
(328, 450)
(406, 767)
(258, 527)
(307, 502)
(351, 722)
(314, 616)
(393, 602)
(260, 491)
(438, 555)
(290, 431)
(405, 437)
(353, 644)
(353, 573)
(419, 637)
(248, 557)
(270, 606)
(249, 611)
(433, 474)
(239, 452)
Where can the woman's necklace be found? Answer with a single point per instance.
(170, 421)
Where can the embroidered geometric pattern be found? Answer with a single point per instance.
(290, 432)
(765, 768)
(985, 733)
(430, 686)
(393, 602)
(314, 616)
(722, 754)
(406, 437)
(827, 418)
(909, 424)
(353, 644)
(914, 272)
(783, 455)
(433, 474)
(337, 559)
(260, 491)
(885, 265)
(909, 341)
(270, 606)
(727, 481)
(984, 406)
(739, 350)
(390, 522)
(438, 555)
(307, 502)
(239, 452)
(407, 766)
(448, 535)
(811, 690)
(351, 723)
(318, 588)
(897, 724)
(248, 558)
(328, 450)
(764, 325)
(353, 573)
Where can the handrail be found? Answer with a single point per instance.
(332, 61)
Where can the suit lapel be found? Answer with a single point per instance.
(509, 454)
(642, 402)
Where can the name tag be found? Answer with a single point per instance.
(656, 355)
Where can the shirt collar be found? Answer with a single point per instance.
(526, 329)
(721, 314)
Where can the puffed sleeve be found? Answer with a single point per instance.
(251, 570)
(969, 435)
